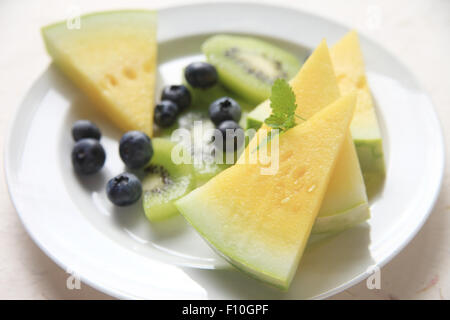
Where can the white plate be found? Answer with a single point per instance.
(117, 251)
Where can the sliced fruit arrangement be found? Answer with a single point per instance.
(348, 62)
(260, 222)
(112, 59)
(349, 68)
(263, 223)
(248, 66)
(207, 106)
(345, 203)
(315, 83)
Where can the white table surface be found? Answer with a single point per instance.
(417, 31)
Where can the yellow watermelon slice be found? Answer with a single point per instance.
(112, 58)
(261, 223)
(345, 203)
(348, 62)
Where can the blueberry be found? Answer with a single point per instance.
(88, 156)
(224, 109)
(229, 129)
(85, 129)
(166, 113)
(178, 94)
(135, 149)
(201, 75)
(124, 189)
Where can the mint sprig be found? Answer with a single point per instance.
(282, 102)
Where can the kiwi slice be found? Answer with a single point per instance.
(165, 181)
(202, 98)
(248, 66)
(204, 166)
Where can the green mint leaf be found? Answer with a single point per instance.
(282, 102)
(289, 123)
(282, 98)
(275, 121)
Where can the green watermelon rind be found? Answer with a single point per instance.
(228, 255)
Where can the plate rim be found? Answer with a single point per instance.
(115, 292)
